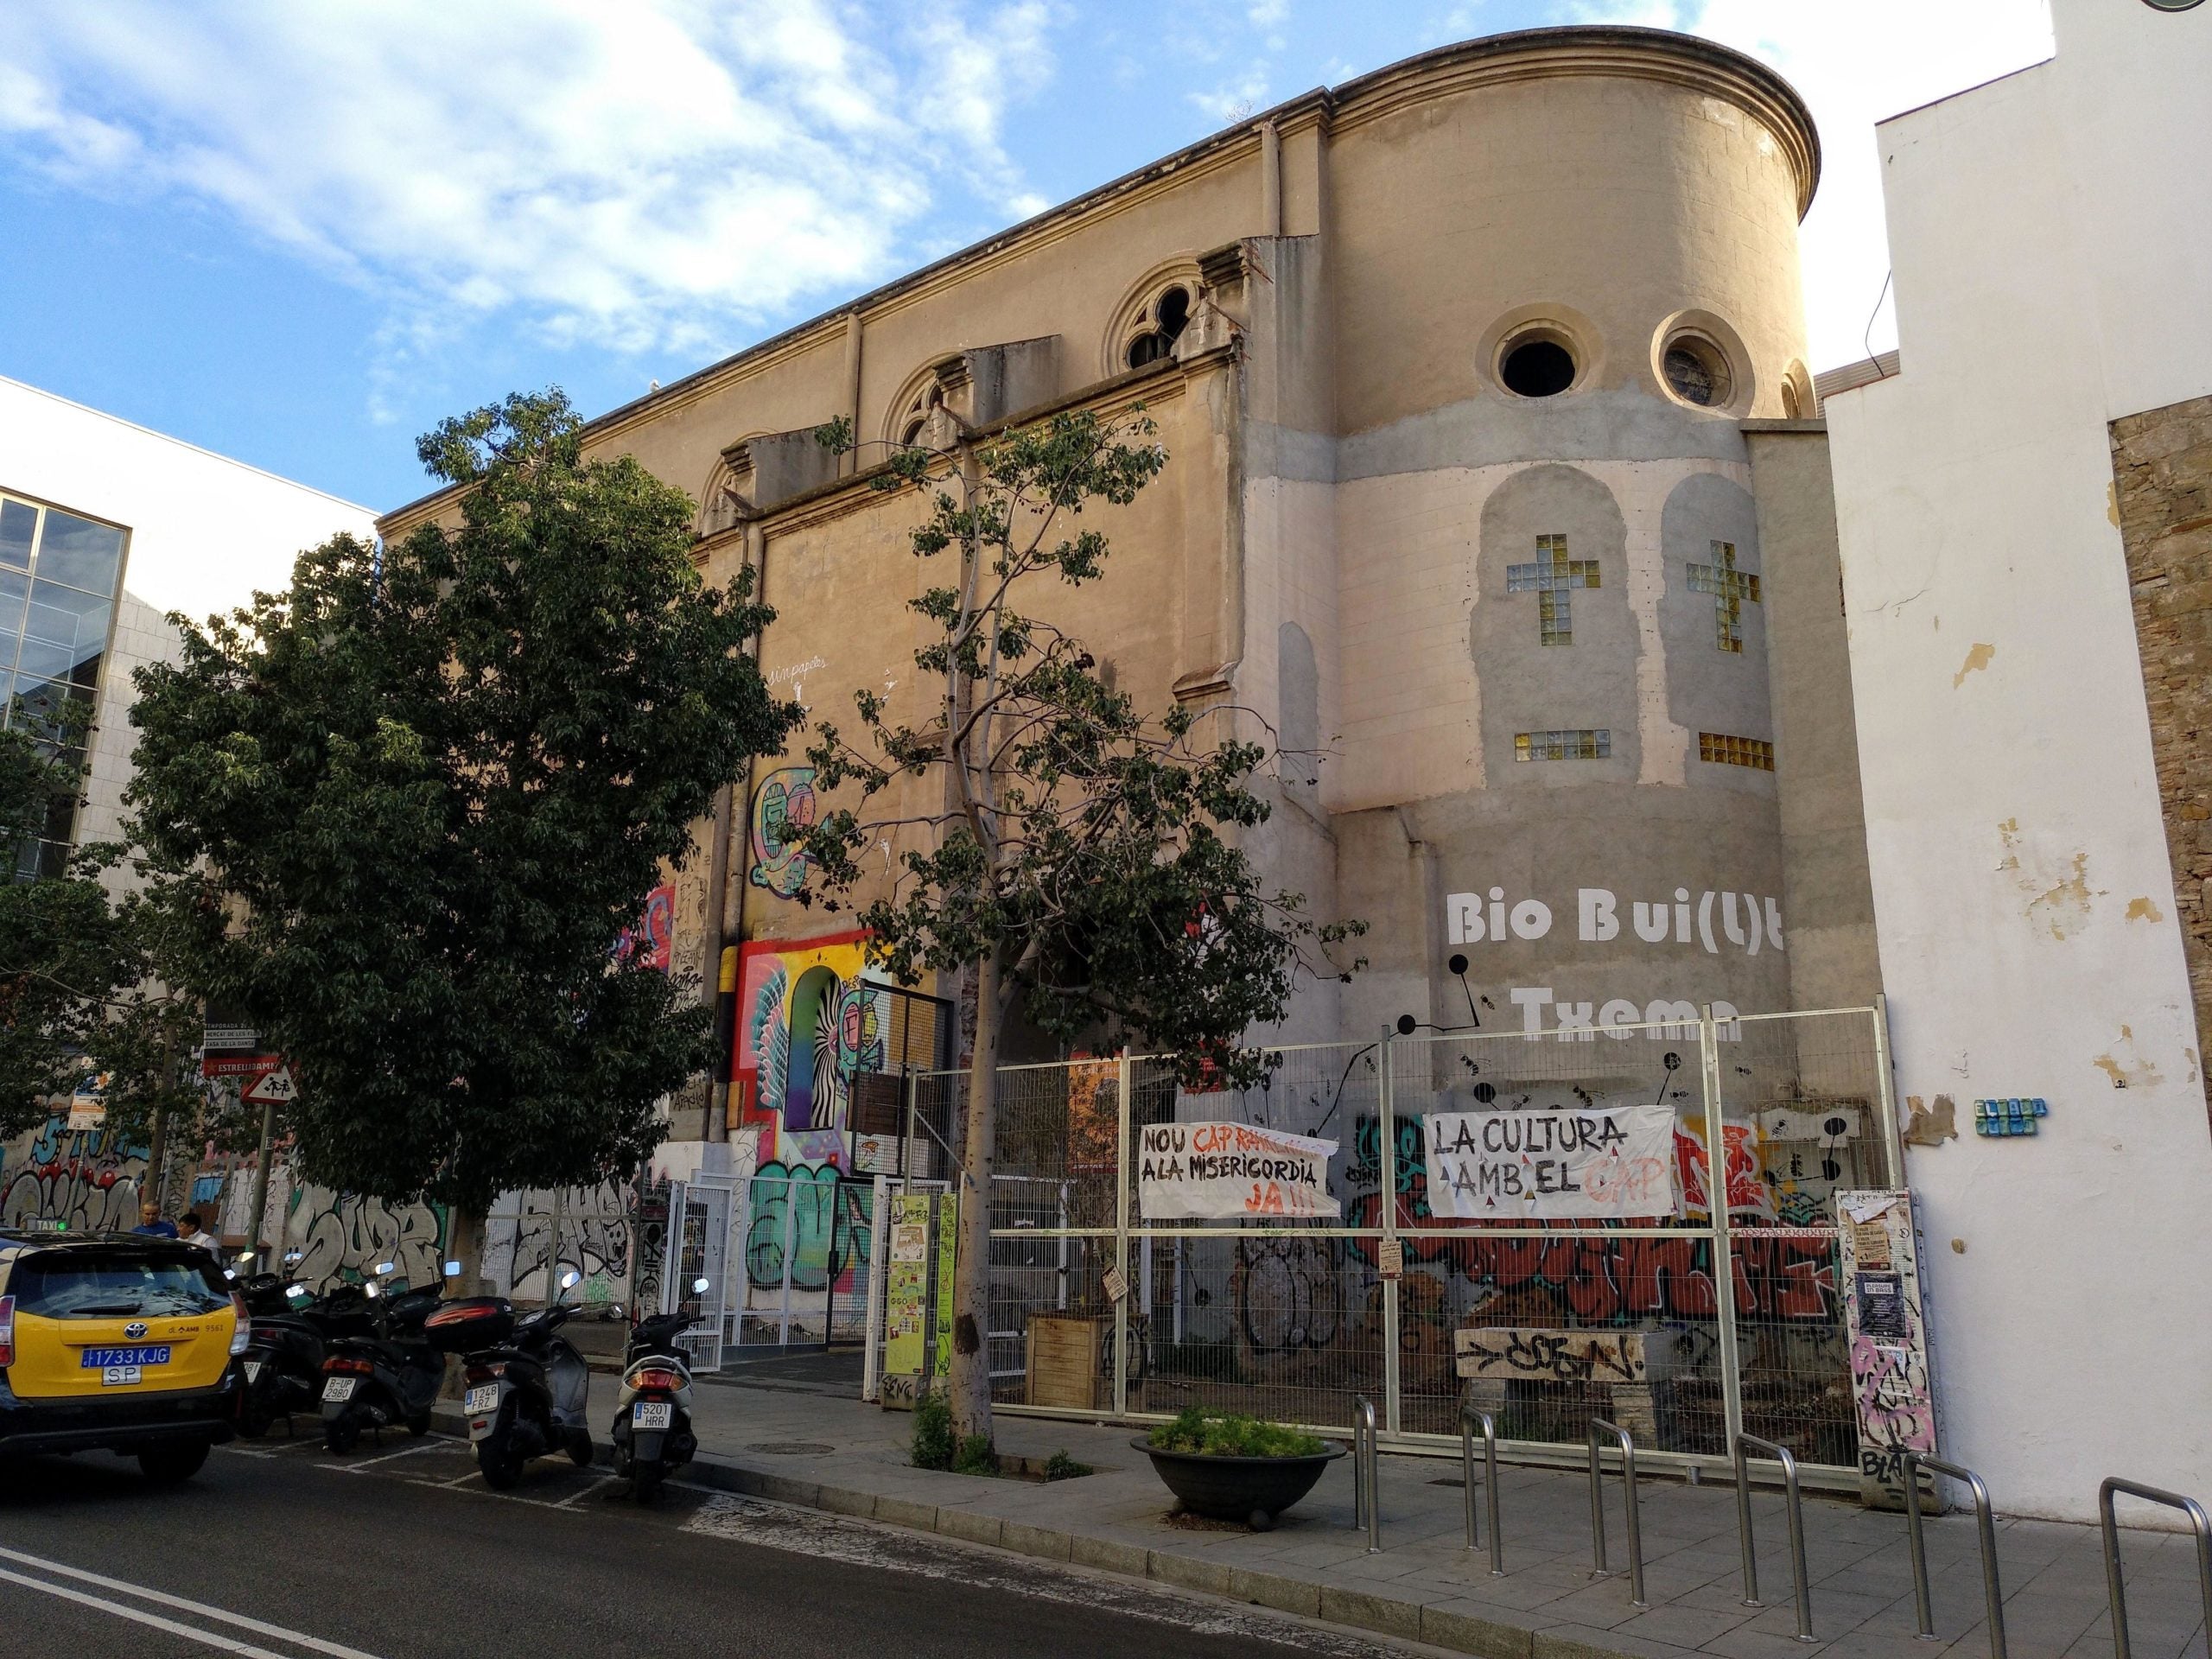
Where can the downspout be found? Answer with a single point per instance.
(849, 463)
(722, 931)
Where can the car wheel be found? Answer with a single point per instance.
(341, 1433)
(167, 1464)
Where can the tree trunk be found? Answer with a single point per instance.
(971, 1278)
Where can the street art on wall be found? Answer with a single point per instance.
(808, 1024)
(343, 1236)
(81, 1180)
(1880, 1270)
(523, 1260)
(783, 811)
(652, 940)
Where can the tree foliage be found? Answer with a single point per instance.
(408, 805)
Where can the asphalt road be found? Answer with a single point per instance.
(278, 1551)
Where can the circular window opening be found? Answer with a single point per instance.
(1537, 368)
(1696, 373)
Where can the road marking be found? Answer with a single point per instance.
(585, 1492)
(336, 1649)
(425, 1445)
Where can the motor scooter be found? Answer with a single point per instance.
(652, 1413)
(281, 1366)
(388, 1375)
(529, 1390)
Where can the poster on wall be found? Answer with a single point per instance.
(1615, 1161)
(1748, 1192)
(1204, 1172)
(1888, 1333)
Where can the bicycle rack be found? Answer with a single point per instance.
(1470, 1419)
(1366, 1484)
(1599, 1426)
(2199, 1523)
(1914, 1462)
(1772, 1453)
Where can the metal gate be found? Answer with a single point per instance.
(698, 1246)
(1718, 1318)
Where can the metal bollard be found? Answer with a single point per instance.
(1914, 1462)
(1599, 1426)
(1796, 1513)
(1366, 1484)
(1470, 1419)
(2199, 1523)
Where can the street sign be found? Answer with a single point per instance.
(272, 1088)
(237, 1065)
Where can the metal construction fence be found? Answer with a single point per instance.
(1545, 1324)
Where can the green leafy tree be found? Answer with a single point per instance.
(1084, 868)
(408, 806)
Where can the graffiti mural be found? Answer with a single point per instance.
(652, 940)
(343, 1236)
(78, 1180)
(783, 811)
(1889, 1338)
(808, 1024)
(793, 1213)
(523, 1259)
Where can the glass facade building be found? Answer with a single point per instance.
(60, 574)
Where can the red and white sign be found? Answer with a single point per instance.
(1202, 1170)
(275, 1087)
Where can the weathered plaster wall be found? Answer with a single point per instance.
(2052, 239)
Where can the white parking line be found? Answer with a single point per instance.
(298, 1638)
(404, 1452)
(585, 1492)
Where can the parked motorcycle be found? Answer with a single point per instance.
(652, 1414)
(529, 1390)
(389, 1374)
(292, 1327)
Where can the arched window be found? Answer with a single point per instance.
(913, 419)
(1160, 325)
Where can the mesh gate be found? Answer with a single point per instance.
(1546, 1324)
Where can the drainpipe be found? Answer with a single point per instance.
(849, 463)
(721, 927)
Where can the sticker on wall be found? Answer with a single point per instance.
(1888, 1333)
(2016, 1116)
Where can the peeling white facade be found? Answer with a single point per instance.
(2051, 236)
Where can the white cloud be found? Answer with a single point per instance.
(639, 175)
(1855, 64)
(1234, 100)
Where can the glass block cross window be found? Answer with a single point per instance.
(1584, 744)
(59, 574)
(1552, 578)
(1730, 588)
(1723, 750)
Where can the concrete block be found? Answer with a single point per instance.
(1371, 1612)
(1044, 1542)
(840, 1500)
(1182, 1570)
(1480, 1633)
(956, 1522)
(783, 1490)
(905, 1512)
(1272, 1589)
(1110, 1556)
(1579, 1642)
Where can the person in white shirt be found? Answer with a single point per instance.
(190, 1232)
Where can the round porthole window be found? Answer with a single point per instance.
(2173, 5)
(1537, 366)
(1696, 372)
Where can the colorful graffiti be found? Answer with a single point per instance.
(78, 1180)
(652, 940)
(783, 811)
(522, 1258)
(808, 1024)
(342, 1236)
(800, 1213)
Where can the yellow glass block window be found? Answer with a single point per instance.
(1584, 744)
(1552, 577)
(1723, 750)
(1730, 588)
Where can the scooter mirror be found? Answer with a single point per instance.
(570, 1279)
(297, 1290)
(453, 1269)
(228, 1273)
(244, 1255)
(292, 1256)
(369, 1289)
(699, 1286)
(382, 1268)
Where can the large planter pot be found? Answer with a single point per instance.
(1251, 1490)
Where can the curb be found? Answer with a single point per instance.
(1379, 1614)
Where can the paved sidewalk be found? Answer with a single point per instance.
(783, 1433)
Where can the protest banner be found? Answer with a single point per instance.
(1201, 1171)
(1615, 1161)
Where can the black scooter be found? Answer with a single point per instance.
(292, 1328)
(529, 1390)
(390, 1374)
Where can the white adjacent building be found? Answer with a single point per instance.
(2026, 538)
(105, 528)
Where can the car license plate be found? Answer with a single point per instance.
(484, 1399)
(338, 1389)
(253, 1370)
(101, 1359)
(647, 1415)
(120, 1376)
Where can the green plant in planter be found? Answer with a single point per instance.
(933, 1443)
(1061, 1466)
(1219, 1435)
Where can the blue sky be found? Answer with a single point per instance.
(300, 233)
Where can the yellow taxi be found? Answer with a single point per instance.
(117, 1343)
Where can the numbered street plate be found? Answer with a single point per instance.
(338, 1389)
(484, 1399)
(100, 1359)
(648, 1414)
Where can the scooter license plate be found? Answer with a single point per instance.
(338, 1389)
(483, 1399)
(253, 1370)
(649, 1414)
